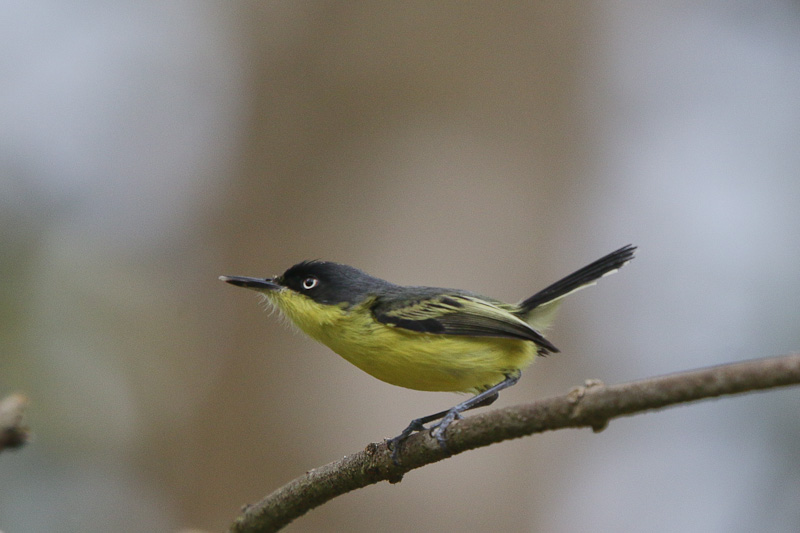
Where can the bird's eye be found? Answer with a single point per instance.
(310, 282)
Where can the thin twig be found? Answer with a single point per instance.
(592, 405)
(13, 433)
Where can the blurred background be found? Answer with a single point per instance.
(147, 148)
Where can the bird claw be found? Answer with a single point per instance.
(438, 430)
(396, 443)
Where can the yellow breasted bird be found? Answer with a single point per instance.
(424, 338)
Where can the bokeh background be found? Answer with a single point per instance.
(148, 147)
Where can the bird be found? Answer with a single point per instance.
(424, 338)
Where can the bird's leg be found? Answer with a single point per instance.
(478, 400)
(485, 398)
(418, 424)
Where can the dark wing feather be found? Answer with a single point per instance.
(456, 314)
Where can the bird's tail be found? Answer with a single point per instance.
(579, 279)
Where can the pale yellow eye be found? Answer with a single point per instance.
(310, 282)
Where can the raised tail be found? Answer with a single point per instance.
(579, 279)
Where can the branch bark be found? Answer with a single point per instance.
(13, 433)
(592, 405)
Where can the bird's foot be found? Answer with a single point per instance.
(396, 443)
(438, 430)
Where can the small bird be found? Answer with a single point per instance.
(423, 338)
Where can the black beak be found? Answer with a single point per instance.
(259, 284)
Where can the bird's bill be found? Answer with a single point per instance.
(258, 284)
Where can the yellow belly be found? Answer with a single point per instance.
(430, 362)
(421, 361)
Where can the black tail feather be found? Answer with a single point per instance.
(586, 275)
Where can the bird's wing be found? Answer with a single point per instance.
(456, 314)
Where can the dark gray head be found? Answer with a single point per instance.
(331, 283)
(322, 281)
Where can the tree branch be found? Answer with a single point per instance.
(13, 433)
(592, 405)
